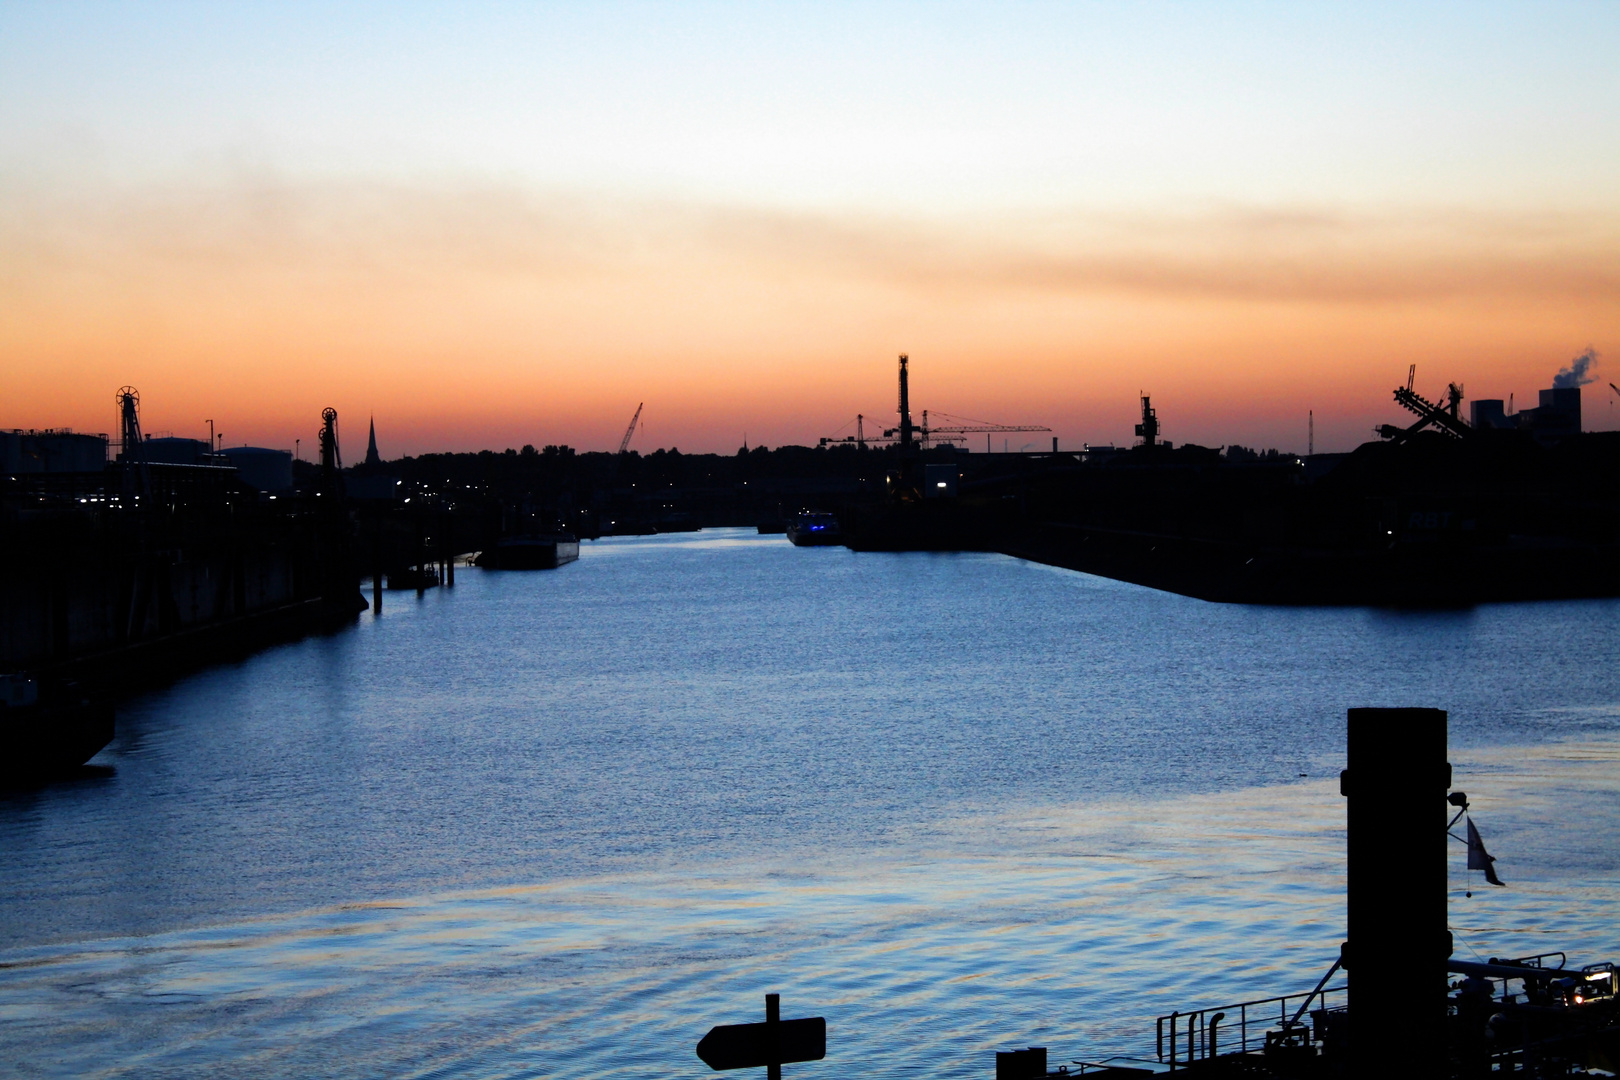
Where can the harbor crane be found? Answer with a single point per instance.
(1445, 418)
(624, 443)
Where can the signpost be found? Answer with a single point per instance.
(772, 1044)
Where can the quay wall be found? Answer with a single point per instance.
(114, 599)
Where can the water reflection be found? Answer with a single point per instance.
(1071, 926)
(559, 824)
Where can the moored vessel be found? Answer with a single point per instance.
(43, 734)
(530, 553)
(813, 529)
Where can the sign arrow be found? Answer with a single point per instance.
(752, 1046)
(772, 1044)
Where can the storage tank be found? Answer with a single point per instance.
(261, 467)
(169, 450)
(52, 450)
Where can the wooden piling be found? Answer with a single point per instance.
(376, 566)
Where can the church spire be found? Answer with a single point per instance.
(371, 451)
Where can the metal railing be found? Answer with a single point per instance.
(1205, 1033)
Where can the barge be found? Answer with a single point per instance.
(530, 553)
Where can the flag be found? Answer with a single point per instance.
(1478, 857)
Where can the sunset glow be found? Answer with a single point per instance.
(512, 226)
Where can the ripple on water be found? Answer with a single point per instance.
(560, 824)
(1068, 927)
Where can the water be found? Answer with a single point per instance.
(558, 824)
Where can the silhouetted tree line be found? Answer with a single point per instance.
(555, 468)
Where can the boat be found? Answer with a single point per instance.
(812, 529)
(42, 735)
(530, 553)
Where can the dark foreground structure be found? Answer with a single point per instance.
(1441, 512)
(119, 576)
(1429, 521)
(1407, 1007)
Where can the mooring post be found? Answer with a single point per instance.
(1395, 786)
(450, 549)
(421, 556)
(773, 1016)
(376, 566)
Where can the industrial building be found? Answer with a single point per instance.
(1557, 414)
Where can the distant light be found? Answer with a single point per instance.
(942, 484)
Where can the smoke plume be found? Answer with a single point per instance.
(1578, 373)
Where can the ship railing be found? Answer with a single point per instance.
(1185, 1037)
(1535, 961)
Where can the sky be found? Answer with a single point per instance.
(492, 225)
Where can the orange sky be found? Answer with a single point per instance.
(498, 226)
(496, 316)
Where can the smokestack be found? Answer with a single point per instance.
(905, 407)
(1398, 942)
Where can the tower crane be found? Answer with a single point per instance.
(624, 443)
(958, 431)
(859, 440)
(910, 435)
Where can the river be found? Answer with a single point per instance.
(561, 823)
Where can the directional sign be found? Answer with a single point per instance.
(771, 1044)
(751, 1046)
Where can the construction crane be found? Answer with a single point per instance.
(909, 435)
(859, 440)
(959, 431)
(624, 443)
